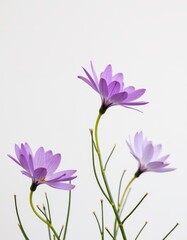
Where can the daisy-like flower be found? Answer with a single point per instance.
(112, 90)
(147, 155)
(41, 167)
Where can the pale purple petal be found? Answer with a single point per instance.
(94, 74)
(60, 185)
(14, 159)
(17, 150)
(129, 89)
(134, 103)
(24, 163)
(90, 78)
(55, 176)
(138, 143)
(107, 74)
(147, 153)
(113, 88)
(103, 88)
(26, 174)
(39, 158)
(119, 97)
(52, 163)
(157, 151)
(163, 159)
(40, 173)
(135, 95)
(28, 149)
(88, 82)
(119, 78)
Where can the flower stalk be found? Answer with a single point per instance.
(111, 201)
(49, 224)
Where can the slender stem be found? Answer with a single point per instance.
(109, 157)
(98, 223)
(102, 221)
(141, 230)
(105, 179)
(134, 208)
(124, 193)
(170, 231)
(110, 233)
(94, 168)
(49, 230)
(49, 215)
(67, 217)
(41, 218)
(120, 183)
(116, 228)
(19, 220)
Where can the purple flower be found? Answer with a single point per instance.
(112, 90)
(41, 167)
(147, 155)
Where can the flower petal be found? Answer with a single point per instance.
(118, 78)
(135, 95)
(60, 185)
(103, 88)
(52, 163)
(119, 97)
(39, 158)
(147, 153)
(40, 173)
(113, 88)
(107, 74)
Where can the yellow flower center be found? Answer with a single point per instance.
(42, 180)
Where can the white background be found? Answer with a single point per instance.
(43, 45)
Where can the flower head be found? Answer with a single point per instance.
(112, 90)
(147, 155)
(41, 167)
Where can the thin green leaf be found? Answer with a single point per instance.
(134, 208)
(170, 231)
(98, 223)
(109, 157)
(94, 167)
(19, 220)
(67, 216)
(110, 233)
(140, 231)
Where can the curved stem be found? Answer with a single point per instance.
(41, 218)
(94, 167)
(120, 204)
(67, 217)
(105, 179)
(124, 193)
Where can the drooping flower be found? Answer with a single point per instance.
(41, 167)
(147, 155)
(112, 90)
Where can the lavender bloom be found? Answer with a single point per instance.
(147, 155)
(112, 90)
(41, 167)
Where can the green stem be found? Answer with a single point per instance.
(120, 204)
(141, 230)
(105, 179)
(171, 231)
(19, 220)
(124, 193)
(135, 208)
(94, 167)
(67, 217)
(42, 219)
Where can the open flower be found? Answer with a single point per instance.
(112, 90)
(41, 167)
(147, 155)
